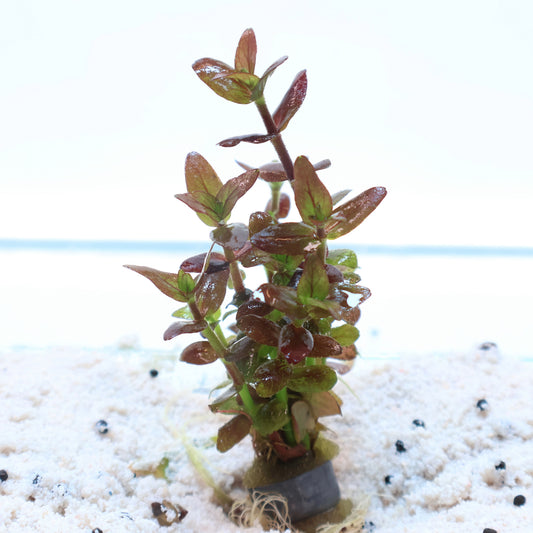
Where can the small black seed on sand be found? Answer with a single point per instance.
(369, 526)
(154, 373)
(400, 446)
(487, 346)
(36, 479)
(519, 500)
(419, 423)
(501, 466)
(3, 475)
(387, 480)
(101, 426)
(482, 404)
(97, 530)
(489, 530)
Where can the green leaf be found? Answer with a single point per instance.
(199, 353)
(310, 194)
(231, 236)
(271, 377)
(166, 282)
(210, 291)
(349, 215)
(345, 334)
(185, 282)
(200, 175)
(183, 312)
(181, 327)
(234, 189)
(312, 379)
(291, 238)
(271, 417)
(224, 80)
(246, 52)
(291, 102)
(314, 281)
(342, 257)
(233, 432)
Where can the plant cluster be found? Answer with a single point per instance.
(282, 344)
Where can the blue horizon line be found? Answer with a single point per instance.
(170, 246)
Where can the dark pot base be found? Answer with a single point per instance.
(309, 493)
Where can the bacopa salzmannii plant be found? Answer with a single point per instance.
(283, 343)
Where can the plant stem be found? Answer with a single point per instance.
(275, 188)
(247, 400)
(276, 141)
(288, 430)
(235, 273)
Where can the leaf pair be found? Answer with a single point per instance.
(315, 203)
(238, 84)
(207, 196)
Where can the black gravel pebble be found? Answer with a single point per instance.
(489, 530)
(419, 423)
(482, 404)
(97, 530)
(154, 373)
(101, 427)
(3, 475)
(501, 466)
(400, 446)
(36, 479)
(387, 480)
(368, 526)
(519, 500)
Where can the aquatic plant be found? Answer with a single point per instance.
(283, 343)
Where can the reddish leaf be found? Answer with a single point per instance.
(314, 281)
(224, 80)
(291, 102)
(254, 138)
(210, 291)
(283, 451)
(312, 379)
(325, 346)
(232, 236)
(203, 204)
(271, 377)
(283, 299)
(200, 176)
(349, 353)
(295, 343)
(241, 349)
(259, 221)
(310, 194)
(166, 282)
(181, 327)
(246, 52)
(334, 274)
(199, 353)
(233, 432)
(234, 189)
(261, 330)
(195, 264)
(290, 238)
(253, 307)
(349, 215)
(351, 286)
(271, 172)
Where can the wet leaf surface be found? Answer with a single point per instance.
(271, 417)
(291, 238)
(210, 291)
(312, 379)
(261, 330)
(271, 377)
(166, 282)
(325, 346)
(246, 52)
(181, 327)
(295, 343)
(291, 102)
(314, 282)
(200, 175)
(241, 349)
(199, 353)
(283, 299)
(232, 236)
(234, 189)
(233, 432)
(254, 306)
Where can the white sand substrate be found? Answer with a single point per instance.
(458, 472)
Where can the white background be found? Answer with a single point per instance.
(433, 100)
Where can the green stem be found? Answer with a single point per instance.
(288, 430)
(276, 141)
(275, 188)
(247, 400)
